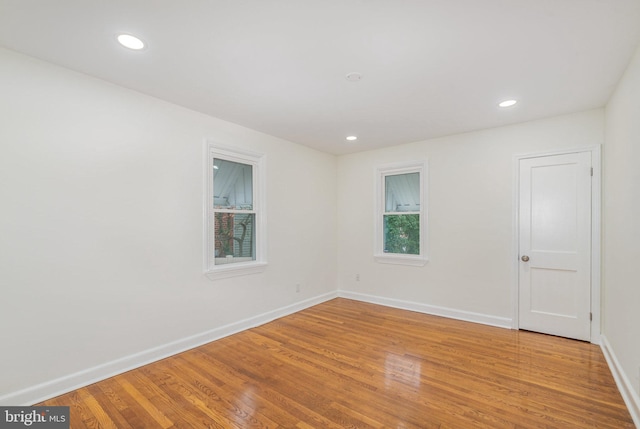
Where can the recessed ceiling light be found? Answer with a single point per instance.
(354, 77)
(508, 103)
(131, 42)
(352, 138)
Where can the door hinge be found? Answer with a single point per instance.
(591, 317)
(591, 171)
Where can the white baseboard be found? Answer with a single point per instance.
(59, 386)
(501, 322)
(630, 396)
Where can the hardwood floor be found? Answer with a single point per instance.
(347, 364)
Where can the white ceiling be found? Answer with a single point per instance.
(430, 67)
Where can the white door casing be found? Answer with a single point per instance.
(554, 248)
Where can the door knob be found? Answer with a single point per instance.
(525, 258)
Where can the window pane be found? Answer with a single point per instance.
(232, 185)
(402, 234)
(402, 192)
(235, 238)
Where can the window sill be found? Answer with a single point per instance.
(237, 269)
(415, 261)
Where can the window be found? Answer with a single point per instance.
(234, 214)
(401, 215)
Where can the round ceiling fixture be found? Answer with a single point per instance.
(352, 138)
(508, 103)
(131, 42)
(354, 77)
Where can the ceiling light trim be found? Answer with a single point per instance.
(130, 41)
(508, 103)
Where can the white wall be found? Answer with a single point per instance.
(101, 226)
(621, 251)
(470, 201)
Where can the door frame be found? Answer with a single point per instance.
(596, 238)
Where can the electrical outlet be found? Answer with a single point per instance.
(298, 288)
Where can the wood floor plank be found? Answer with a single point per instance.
(276, 407)
(348, 364)
(98, 408)
(145, 403)
(111, 405)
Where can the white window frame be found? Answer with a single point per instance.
(257, 161)
(390, 170)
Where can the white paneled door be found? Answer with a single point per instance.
(555, 245)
